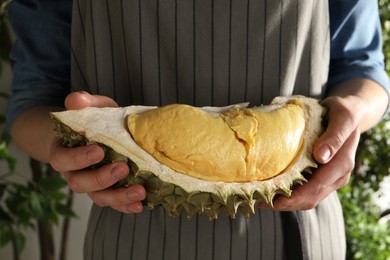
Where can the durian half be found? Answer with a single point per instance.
(204, 160)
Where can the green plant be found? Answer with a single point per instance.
(367, 236)
(40, 199)
(35, 202)
(384, 8)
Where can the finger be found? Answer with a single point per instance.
(301, 198)
(324, 180)
(263, 205)
(64, 159)
(96, 179)
(127, 200)
(82, 99)
(340, 126)
(342, 163)
(135, 207)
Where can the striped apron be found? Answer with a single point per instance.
(205, 52)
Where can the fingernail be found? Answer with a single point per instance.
(324, 153)
(135, 208)
(86, 97)
(130, 209)
(93, 156)
(118, 172)
(133, 196)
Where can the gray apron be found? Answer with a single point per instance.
(205, 52)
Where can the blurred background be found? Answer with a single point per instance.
(41, 219)
(26, 236)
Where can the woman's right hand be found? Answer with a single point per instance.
(73, 164)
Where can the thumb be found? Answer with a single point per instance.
(82, 99)
(341, 124)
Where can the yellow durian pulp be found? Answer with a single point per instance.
(240, 145)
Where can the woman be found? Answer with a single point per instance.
(202, 53)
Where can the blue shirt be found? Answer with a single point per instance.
(42, 49)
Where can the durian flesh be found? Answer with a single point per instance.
(204, 160)
(238, 145)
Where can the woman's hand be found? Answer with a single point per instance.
(335, 151)
(72, 164)
(353, 107)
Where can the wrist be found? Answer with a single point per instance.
(33, 132)
(366, 100)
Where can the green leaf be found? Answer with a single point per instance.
(5, 237)
(36, 204)
(57, 195)
(4, 154)
(65, 210)
(52, 182)
(5, 216)
(5, 137)
(53, 217)
(20, 239)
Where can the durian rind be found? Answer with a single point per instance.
(178, 192)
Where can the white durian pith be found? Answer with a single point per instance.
(178, 191)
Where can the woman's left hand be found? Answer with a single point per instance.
(353, 106)
(334, 151)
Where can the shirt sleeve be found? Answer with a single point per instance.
(356, 42)
(41, 74)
